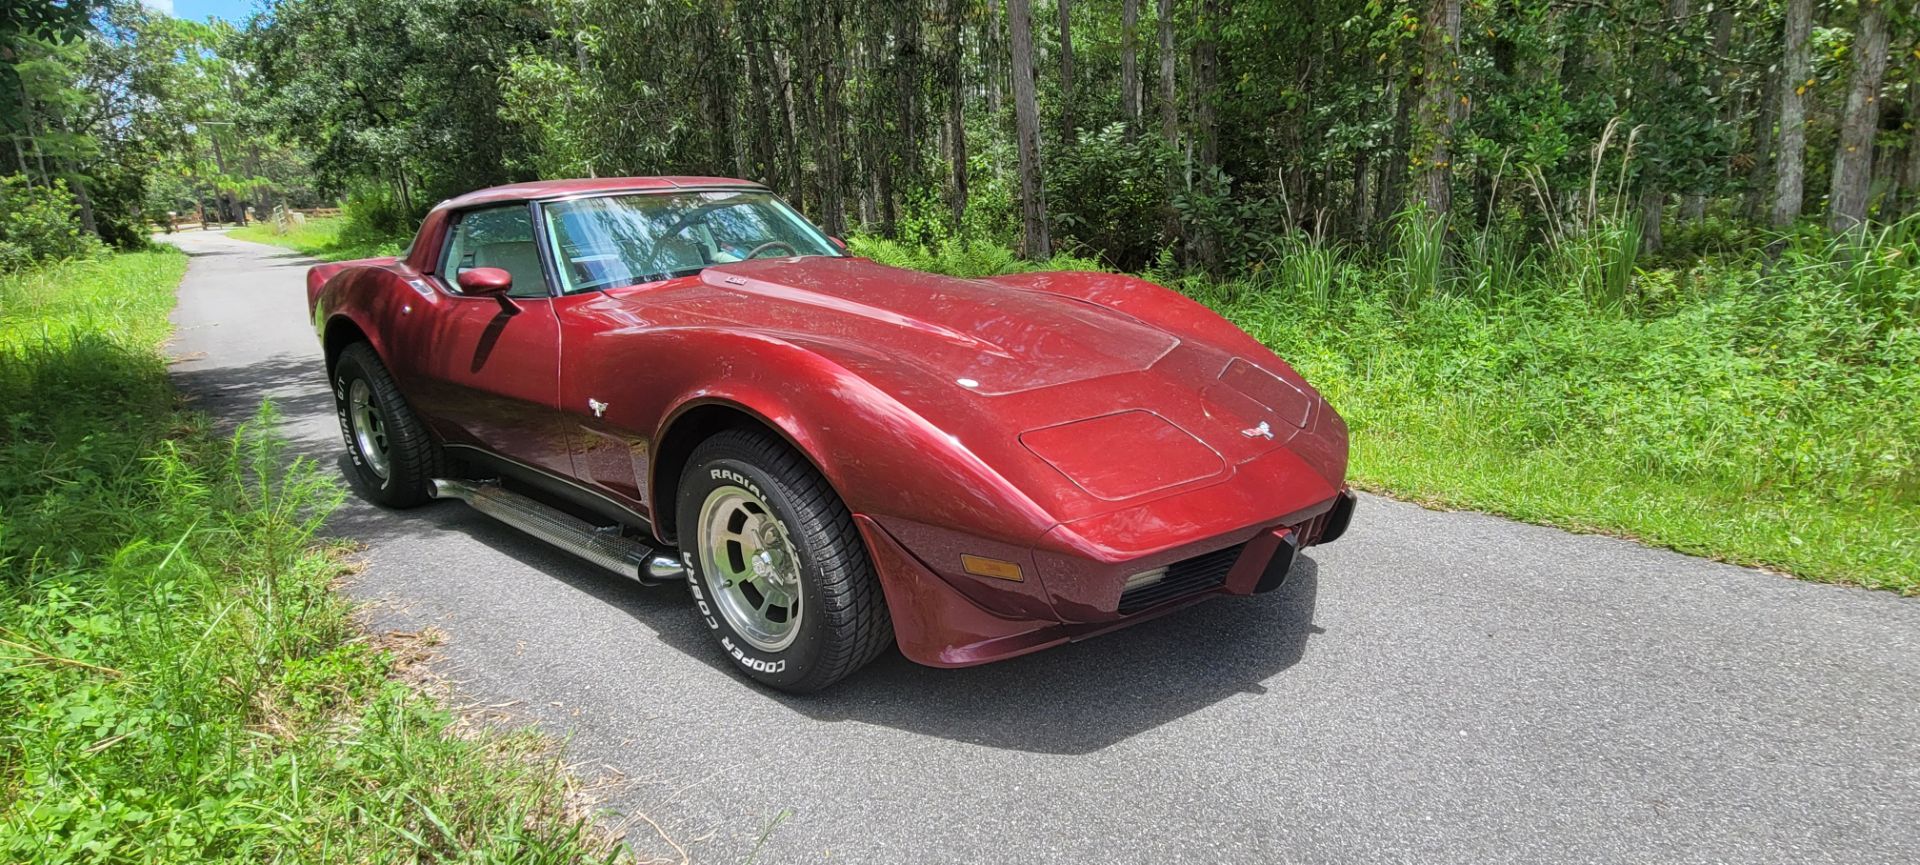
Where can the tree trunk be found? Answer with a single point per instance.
(1206, 83)
(1653, 187)
(902, 148)
(1432, 155)
(1394, 182)
(1653, 206)
(20, 156)
(760, 131)
(990, 58)
(221, 197)
(406, 193)
(1130, 64)
(1067, 129)
(1169, 113)
(1910, 179)
(1026, 121)
(1693, 206)
(1753, 198)
(1853, 154)
(1206, 124)
(789, 132)
(832, 110)
(77, 184)
(1360, 209)
(957, 115)
(1790, 172)
(1169, 93)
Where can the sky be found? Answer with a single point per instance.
(232, 10)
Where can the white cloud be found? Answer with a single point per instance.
(164, 7)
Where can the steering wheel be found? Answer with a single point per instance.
(772, 244)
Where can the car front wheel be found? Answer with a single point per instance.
(777, 570)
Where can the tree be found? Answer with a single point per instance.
(1790, 166)
(1432, 156)
(1853, 154)
(1026, 114)
(1169, 96)
(1067, 104)
(1130, 65)
(956, 111)
(1206, 125)
(1910, 175)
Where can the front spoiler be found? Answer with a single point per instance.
(938, 626)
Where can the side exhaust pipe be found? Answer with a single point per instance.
(606, 547)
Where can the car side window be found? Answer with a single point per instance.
(499, 237)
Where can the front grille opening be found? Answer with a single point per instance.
(1183, 578)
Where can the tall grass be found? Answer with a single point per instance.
(1876, 265)
(177, 681)
(1419, 260)
(333, 238)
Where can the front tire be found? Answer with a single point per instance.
(777, 570)
(394, 458)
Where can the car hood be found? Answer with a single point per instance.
(989, 338)
(1085, 408)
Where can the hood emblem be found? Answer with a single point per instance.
(600, 408)
(1260, 432)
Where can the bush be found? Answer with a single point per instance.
(374, 211)
(119, 196)
(39, 224)
(1108, 195)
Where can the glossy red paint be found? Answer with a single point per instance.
(485, 281)
(1085, 426)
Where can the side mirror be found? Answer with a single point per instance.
(837, 242)
(485, 281)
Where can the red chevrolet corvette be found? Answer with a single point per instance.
(682, 379)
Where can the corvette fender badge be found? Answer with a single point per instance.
(1260, 432)
(600, 408)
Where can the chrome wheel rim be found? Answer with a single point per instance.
(749, 567)
(369, 427)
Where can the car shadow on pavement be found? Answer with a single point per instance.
(1072, 699)
(1085, 696)
(294, 383)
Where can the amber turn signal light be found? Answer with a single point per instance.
(985, 567)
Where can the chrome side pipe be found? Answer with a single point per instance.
(606, 547)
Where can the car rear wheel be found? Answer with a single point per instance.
(777, 570)
(394, 458)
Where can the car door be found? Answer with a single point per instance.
(485, 370)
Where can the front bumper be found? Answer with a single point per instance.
(938, 625)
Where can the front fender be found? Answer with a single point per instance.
(881, 456)
(888, 463)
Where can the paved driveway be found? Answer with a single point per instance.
(1433, 688)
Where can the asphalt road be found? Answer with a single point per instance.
(1435, 687)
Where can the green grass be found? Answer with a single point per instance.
(178, 682)
(1725, 408)
(329, 239)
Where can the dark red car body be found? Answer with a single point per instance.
(1084, 426)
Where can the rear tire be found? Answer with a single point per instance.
(777, 569)
(394, 458)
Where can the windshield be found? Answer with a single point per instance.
(616, 240)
